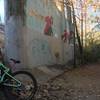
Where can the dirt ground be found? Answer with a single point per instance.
(82, 83)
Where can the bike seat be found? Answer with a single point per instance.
(15, 61)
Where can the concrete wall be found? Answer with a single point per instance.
(13, 37)
(36, 12)
(41, 49)
(29, 43)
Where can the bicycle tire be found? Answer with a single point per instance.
(8, 91)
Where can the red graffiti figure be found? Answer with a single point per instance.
(48, 26)
(65, 35)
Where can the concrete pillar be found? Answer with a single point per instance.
(13, 27)
(13, 36)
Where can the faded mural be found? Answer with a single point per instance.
(41, 51)
(45, 23)
(44, 17)
(38, 20)
(38, 41)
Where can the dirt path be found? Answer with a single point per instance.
(79, 84)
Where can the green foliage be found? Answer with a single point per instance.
(92, 53)
(92, 45)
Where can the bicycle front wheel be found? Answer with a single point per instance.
(27, 89)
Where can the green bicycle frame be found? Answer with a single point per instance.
(6, 73)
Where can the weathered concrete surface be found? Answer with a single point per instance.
(13, 38)
(29, 42)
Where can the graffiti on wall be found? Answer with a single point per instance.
(41, 49)
(67, 36)
(48, 26)
(36, 14)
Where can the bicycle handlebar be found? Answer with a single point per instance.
(15, 61)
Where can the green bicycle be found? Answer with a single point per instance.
(20, 85)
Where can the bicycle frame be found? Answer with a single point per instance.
(6, 73)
